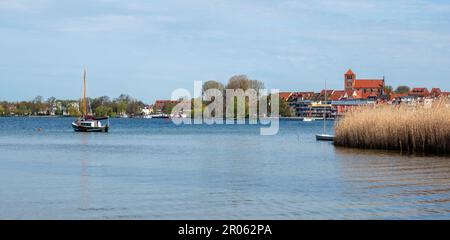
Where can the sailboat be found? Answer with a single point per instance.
(324, 136)
(89, 123)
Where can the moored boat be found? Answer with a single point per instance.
(87, 123)
(161, 115)
(91, 124)
(324, 137)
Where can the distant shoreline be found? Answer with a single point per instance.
(59, 116)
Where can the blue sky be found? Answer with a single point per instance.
(149, 48)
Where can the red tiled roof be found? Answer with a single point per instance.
(421, 92)
(329, 92)
(304, 95)
(357, 94)
(348, 93)
(285, 95)
(397, 95)
(435, 92)
(337, 94)
(368, 83)
(349, 72)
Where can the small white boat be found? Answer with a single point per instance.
(308, 119)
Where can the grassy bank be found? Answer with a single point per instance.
(407, 129)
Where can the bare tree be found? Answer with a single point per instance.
(244, 83)
(212, 85)
(402, 89)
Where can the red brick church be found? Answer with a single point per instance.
(362, 88)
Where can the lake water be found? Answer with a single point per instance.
(153, 169)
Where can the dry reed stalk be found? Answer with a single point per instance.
(413, 129)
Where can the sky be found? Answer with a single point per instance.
(149, 48)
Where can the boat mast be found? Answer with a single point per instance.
(325, 109)
(84, 94)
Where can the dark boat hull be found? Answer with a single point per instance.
(78, 128)
(324, 137)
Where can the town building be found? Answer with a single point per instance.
(435, 92)
(363, 87)
(419, 92)
(147, 110)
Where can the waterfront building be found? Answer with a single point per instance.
(419, 92)
(435, 92)
(398, 97)
(318, 109)
(364, 87)
(147, 110)
(301, 102)
(343, 106)
(357, 92)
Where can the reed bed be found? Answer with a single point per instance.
(412, 129)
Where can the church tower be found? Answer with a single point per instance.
(349, 79)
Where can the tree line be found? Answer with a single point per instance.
(244, 82)
(100, 106)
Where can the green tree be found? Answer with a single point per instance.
(5, 106)
(134, 107)
(59, 111)
(103, 111)
(388, 89)
(23, 108)
(402, 89)
(124, 98)
(51, 101)
(73, 111)
(167, 109)
(38, 105)
(284, 108)
(122, 107)
(100, 101)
